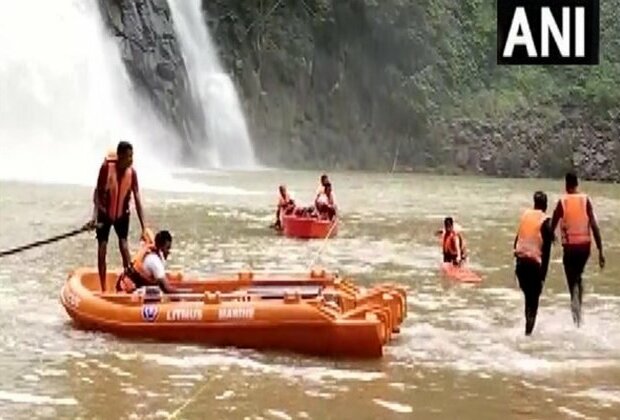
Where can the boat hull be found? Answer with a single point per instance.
(309, 228)
(357, 326)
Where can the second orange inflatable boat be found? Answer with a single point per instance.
(318, 314)
(308, 227)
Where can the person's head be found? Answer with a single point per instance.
(571, 181)
(163, 242)
(324, 179)
(448, 224)
(282, 189)
(328, 188)
(540, 201)
(124, 154)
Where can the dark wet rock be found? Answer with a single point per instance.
(151, 53)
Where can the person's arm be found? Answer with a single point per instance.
(457, 242)
(557, 215)
(100, 189)
(596, 232)
(514, 245)
(547, 236)
(135, 188)
(95, 201)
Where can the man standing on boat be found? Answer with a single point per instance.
(325, 203)
(321, 188)
(576, 212)
(532, 248)
(116, 183)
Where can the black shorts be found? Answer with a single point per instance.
(121, 227)
(575, 259)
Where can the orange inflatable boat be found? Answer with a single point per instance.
(460, 273)
(318, 314)
(308, 227)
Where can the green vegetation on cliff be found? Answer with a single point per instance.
(367, 83)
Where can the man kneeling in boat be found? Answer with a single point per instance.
(147, 268)
(325, 203)
(286, 205)
(453, 245)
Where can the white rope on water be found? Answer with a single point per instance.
(323, 246)
(192, 398)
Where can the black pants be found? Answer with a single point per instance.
(121, 226)
(575, 260)
(531, 281)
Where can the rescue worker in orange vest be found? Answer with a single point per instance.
(576, 213)
(453, 245)
(532, 248)
(325, 203)
(147, 268)
(321, 188)
(116, 183)
(286, 205)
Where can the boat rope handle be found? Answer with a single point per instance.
(85, 228)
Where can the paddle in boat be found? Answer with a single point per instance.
(317, 314)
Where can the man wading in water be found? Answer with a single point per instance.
(577, 214)
(532, 248)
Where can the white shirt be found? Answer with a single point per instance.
(154, 264)
(322, 199)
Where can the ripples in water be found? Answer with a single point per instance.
(461, 352)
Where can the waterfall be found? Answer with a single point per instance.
(65, 97)
(229, 143)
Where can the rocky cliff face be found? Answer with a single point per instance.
(375, 84)
(152, 56)
(532, 144)
(369, 84)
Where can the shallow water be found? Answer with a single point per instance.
(461, 352)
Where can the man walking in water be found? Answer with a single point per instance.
(576, 212)
(532, 248)
(116, 183)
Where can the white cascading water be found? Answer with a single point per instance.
(229, 141)
(65, 98)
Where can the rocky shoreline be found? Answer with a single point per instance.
(528, 144)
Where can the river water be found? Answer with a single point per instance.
(461, 353)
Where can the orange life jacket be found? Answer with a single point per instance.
(450, 246)
(126, 284)
(575, 224)
(529, 239)
(118, 193)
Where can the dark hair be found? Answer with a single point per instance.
(448, 221)
(324, 176)
(540, 200)
(123, 147)
(571, 180)
(328, 185)
(162, 238)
